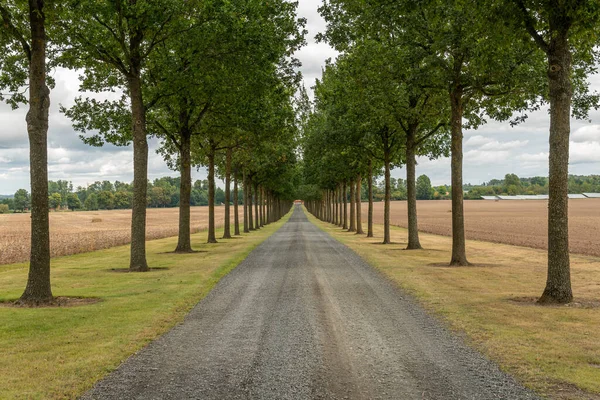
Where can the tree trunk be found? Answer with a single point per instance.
(359, 229)
(38, 289)
(387, 198)
(269, 213)
(227, 217)
(352, 227)
(411, 190)
(140, 177)
(250, 219)
(236, 215)
(345, 198)
(256, 208)
(262, 208)
(184, 244)
(211, 195)
(246, 223)
(459, 253)
(370, 186)
(336, 205)
(558, 283)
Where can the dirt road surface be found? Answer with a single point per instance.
(303, 317)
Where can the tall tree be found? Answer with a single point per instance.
(568, 34)
(112, 43)
(23, 62)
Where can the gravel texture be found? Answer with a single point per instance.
(303, 317)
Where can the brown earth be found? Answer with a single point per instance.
(83, 231)
(516, 222)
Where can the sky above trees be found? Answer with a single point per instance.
(492, 151)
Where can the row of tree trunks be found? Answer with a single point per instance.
(333, 207)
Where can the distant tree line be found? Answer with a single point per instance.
(162, 192)
(513, 185)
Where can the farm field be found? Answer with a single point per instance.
(520, 223)
(83, 231)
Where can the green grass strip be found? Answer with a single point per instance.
(57, 353)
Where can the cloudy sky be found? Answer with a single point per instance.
(490, 152)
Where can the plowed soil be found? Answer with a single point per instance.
(83, 231)
(516, 222)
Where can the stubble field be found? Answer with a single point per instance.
(83, 231)
(520, 223)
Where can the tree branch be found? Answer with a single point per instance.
(530, 26)
(13, 31)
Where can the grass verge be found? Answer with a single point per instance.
(57, 353)
(553, 350)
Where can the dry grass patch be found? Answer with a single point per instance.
(554, 350)
(59, 352)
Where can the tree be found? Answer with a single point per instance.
(55, 200)
(23, 63)
(477, 63)
(22, 200)
(424, 189)
(73, 202)
(112, 43)
(567, 32)
(91, 202)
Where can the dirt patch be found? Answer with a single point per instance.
(59, 301)
(577, 303)
(127, 270)
(470, 265)
(184, 252)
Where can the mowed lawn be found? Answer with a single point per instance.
(57, 353)
(553, 349)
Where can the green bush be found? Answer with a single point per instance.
(3, 208)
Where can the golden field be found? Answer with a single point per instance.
(516, 222)
(83, 231)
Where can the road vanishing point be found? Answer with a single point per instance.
(304, 317)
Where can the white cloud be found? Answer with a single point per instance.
(501, 146)
(483, 157)
(478, 140)
(538, 157)
(589, 133)
(583, 153)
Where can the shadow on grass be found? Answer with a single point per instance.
(470, 265)
(183, 252)
(576, 303)
(59, 301)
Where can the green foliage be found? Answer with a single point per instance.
(424, 189)
(91, 202)
(55, 200)
(73, 202)
(4, 209)
(22, 200)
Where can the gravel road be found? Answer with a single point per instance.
(303, 317)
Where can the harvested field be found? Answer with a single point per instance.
(83, 231)
(520, 223)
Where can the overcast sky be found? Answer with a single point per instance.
(490, 152)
